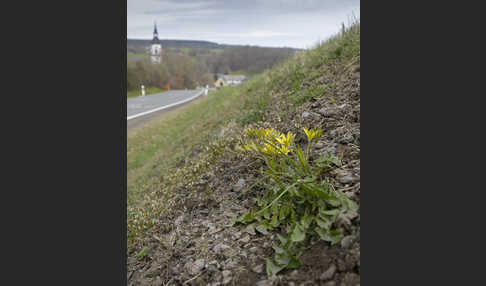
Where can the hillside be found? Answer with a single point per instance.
(174, 44)
(191, 44)
(215, 200)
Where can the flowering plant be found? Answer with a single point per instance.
(297, 200)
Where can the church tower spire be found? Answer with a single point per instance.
(156, 34)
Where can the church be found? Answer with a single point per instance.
(156, 48)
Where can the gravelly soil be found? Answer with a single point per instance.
(193, 245)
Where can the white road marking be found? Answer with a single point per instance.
(165, 106)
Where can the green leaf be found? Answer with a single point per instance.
(278, 249)
(273, 269)
(350, 204)
(334, 199)
(300, 202)
(353, 205)
(246, 218)
(297, 235)
(322, 194)
(331, 236)
(306, 220)
(275, 222)
(266, 213)
(347, 202)
(322, 190)
(323, 233)
(330, 212)
(336, 236)
(308, 189)
(275, 208)
(302, 160)
(309, 179)
(282, 258)
(276, 190)
(233, 221)
(336, 160)
(327, 161)
(282, 238)
(285, 258)
(294, 262)
(296, 192)
(284, 211)
(262, 229)
(323, 223)
(288, 228)
(143, 253)
(260, 202)
(266, 224)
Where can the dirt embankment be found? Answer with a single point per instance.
(192, 245)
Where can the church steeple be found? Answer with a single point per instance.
(156, 48)
(156, 34)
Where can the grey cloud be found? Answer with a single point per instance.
(298, 23)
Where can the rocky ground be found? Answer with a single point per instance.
(193, 244)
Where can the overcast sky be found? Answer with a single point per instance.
(275, 23)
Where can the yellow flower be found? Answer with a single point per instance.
(312, 133)
(290, 137)
(308, 133)
(284, 150)
(250, 132)
(272, 142)
(268, 149)
(270, 134)
(285, 140)
(254, 147)
(281, 140)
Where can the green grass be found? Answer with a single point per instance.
(216, 51)
(150, 90)
(168, 140)
(133, 55)
(160, 155)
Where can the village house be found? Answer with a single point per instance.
(228, 80)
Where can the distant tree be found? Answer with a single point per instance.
(200, 65)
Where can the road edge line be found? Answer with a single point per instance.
(165, 106)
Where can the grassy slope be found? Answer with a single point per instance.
(169, 140)
(174, 150)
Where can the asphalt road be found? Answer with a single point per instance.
(141, 109)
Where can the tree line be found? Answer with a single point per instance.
(189, 68)
(176, 70)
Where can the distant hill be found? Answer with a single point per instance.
(136, 43)
(175, 44)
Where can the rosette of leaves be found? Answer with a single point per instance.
(296, 202)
